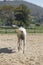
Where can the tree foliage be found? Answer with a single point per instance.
(22, 14)
(14, 14)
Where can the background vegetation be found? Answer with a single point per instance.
(18, 15)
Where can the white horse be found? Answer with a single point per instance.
(21, 34)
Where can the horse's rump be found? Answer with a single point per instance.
(22, 35)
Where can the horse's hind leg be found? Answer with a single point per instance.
(18, 44)
(24, 44)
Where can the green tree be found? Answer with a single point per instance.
(7, 14)
(22, 14)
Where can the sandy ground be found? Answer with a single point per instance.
(33, 51)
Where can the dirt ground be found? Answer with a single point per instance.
(33, 50)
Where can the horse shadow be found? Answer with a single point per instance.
(6, 50)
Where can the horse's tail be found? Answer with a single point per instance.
(15, 26)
